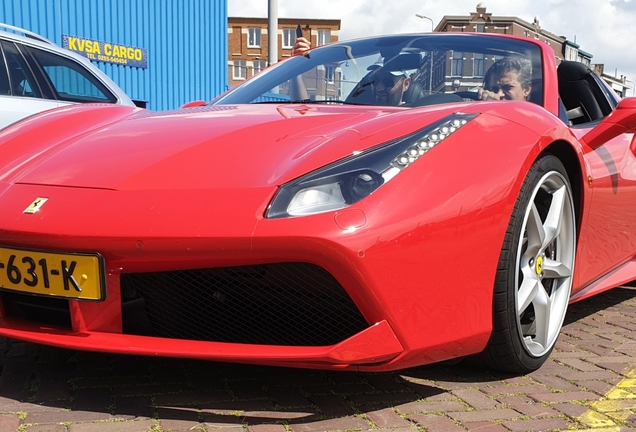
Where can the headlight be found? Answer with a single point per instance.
(349, 180)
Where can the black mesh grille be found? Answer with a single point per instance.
(43, 310)
(293, 304)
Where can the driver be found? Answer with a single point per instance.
(508, 79)
(389, 86)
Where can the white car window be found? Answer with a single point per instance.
(5, 87)
(19, 95)
(70, 80)
(23, 83)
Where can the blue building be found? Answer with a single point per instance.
(162, 53)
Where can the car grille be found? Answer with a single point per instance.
(43, 310)
(293, 304)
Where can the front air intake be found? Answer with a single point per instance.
(293, 304)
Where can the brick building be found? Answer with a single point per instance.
(248, 42)
(620, 85)
(472, 69)
(484, 22)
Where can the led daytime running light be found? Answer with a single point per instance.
(428, 141)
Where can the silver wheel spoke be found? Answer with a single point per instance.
(536, 232)
(542, 306)
(527, 292)
(555, 270)
(552, 225)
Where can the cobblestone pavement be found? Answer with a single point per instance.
(589, 384)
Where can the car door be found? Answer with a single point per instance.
(20, 93)
(604, 127)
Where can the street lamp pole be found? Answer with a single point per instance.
(272, 32)
(420, 16)
(430, 77)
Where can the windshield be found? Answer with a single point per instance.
(406, 70)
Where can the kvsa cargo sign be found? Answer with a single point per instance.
(106, 51)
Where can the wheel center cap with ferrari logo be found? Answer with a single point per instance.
(538, 266)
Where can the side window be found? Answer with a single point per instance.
(70, 80)
(324, 37)
(257, 66)
(457, 65)
(21, 79)
(5, 87)
(253, 37)
(563, 114)
(289, 38)
(478, 65)
(330, 73)
(239, 71)
(607, 91)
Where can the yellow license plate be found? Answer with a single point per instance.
(73, 276)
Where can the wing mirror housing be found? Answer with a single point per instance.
(621, 120)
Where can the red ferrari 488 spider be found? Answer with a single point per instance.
(370, 205)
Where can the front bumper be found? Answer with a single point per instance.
(400, 272)
(373, 345)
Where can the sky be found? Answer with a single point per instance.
(603, 28)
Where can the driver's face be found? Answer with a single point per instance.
(388, 89)
(508, 87)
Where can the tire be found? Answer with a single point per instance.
(534, 274)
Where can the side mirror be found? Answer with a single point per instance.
(194, 104)
(621, 120)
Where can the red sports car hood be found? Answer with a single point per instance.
(200, 148)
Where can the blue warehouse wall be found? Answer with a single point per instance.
(185, 41)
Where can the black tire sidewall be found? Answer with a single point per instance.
(505, 322)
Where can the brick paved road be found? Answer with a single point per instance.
(588, 384)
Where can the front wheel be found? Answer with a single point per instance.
(534, 274)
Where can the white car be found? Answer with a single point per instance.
(36, 75)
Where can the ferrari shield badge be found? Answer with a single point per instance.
(35, 206)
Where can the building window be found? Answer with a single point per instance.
(239, 71)
(478, 65)
(289, 38)
(480, 28)
(324, 37)
(571, 53)
(457, 65)
(330, 73)
(253, 37)
(257, 66)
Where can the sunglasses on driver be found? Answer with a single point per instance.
(387, 80)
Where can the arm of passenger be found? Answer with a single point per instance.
(297, 88)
